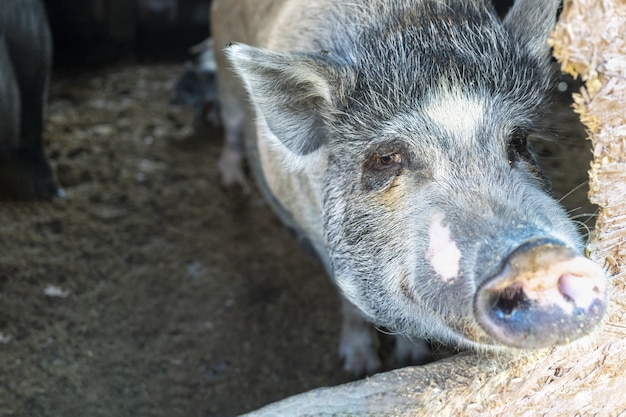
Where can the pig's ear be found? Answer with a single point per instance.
(531, 22)
(294, 93)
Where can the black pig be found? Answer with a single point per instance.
(25, 65)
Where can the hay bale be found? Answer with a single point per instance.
(586, 378)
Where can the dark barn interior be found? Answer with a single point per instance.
(94, 32)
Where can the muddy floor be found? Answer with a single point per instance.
(148, 290)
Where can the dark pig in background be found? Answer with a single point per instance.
(393, 137)
(25, 64)
(196, 87)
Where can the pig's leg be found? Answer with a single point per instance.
(231, 101)
(230, 165)
(411, 352)
(358, 346)
(10, 102)
(27, 44)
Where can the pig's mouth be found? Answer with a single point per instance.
(545, 294)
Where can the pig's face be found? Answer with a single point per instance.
(437, 221)
(425, 212)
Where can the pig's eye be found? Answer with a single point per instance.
(388, 161)
(518, 146)
(383, 165)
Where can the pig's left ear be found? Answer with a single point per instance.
(294, 93)
(531, 22)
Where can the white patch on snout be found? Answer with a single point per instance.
(443, 253)
(458, 114)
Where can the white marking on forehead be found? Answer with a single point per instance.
(443, 253)
(456, 113)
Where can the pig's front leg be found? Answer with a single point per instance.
(231, 163)
(231, 99)
(411, 352)
(358, 345)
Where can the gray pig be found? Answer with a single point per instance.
(392, 136)
(196, 86)
(25, 65)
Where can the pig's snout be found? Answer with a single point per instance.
(544, 294)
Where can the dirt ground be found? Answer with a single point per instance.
(148, 290)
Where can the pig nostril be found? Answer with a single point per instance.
(510, 300)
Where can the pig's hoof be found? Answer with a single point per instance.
(358, 345)
(230, 167)
(359, 360)
(411, 352)
(25, 176)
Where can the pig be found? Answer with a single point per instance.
(197, 88)
(25, 66)
(392, 136)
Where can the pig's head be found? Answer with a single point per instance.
(437, 220)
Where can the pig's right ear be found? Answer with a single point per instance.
(294, 92)
(531, 22)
